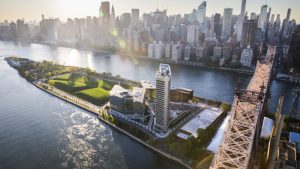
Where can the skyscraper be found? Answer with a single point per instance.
(227, 23)
(286, 26)
(217, 24)
(277, 23)
(243, 7)
(135, 14)
(104, 12)
(249, 32)
(294, 51)
(201, 13)
(125, 20)
(253, 16)
(13, 30)
(263, 17)
(112, 16)
(163, 83)
(272, 19)
(192, 34)
(247, 57)
(271, 30)
(288, 14)
(239, 23)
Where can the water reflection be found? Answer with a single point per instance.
(38, 130)
(209, 84)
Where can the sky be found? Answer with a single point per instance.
(33, 9)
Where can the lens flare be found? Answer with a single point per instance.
(114, 32)
(122, 44)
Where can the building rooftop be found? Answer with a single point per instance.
(119, 91)
(138, 94)
(164, 70)
(201, 121)
(147, 84)
(184, 89)
(183, 136)
(267, 127)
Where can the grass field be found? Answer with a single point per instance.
(68, 86)
(106, 84)
(97, 96)
(63, 77)
(72, 83)
(96, 92)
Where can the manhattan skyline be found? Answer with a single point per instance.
(16, 9)
(150, 84)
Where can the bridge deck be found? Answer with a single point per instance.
(236, 150)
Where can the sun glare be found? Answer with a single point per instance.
(79, 8)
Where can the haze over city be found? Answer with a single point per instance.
(63, 9)
(137, 84)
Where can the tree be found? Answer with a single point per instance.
(111, 118)
(225, 107)
(26, 73)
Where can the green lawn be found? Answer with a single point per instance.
(97, 96)
(63, 77)
(72, 83)
(106, 84)
(96, 92)
(68, 86)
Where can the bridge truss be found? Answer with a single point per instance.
(243, 128)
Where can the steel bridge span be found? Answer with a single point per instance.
(240, 141)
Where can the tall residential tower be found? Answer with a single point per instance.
(201, 13)
(163, 83)
(248, 33)
(263, 17)
(239, 23)
(104, 12)
(227, 23)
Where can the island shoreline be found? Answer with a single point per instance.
(168, 156)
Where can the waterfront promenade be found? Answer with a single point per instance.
(96, 111)
(191, 64)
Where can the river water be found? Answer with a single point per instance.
(40, 131)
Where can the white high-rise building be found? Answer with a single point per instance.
(247, 57)
(239, 23)
(201, 52)
(263, 16)
(159, 49)
(201, 13)
(227, 23)
(135, 14)
(187, 52)
(136, 41)
(177, 51)
(217, 52)
(243, 7)
(151, 50)
(192, 34)
(162, 109)
(168, 50)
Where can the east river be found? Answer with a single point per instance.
(40, 131)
